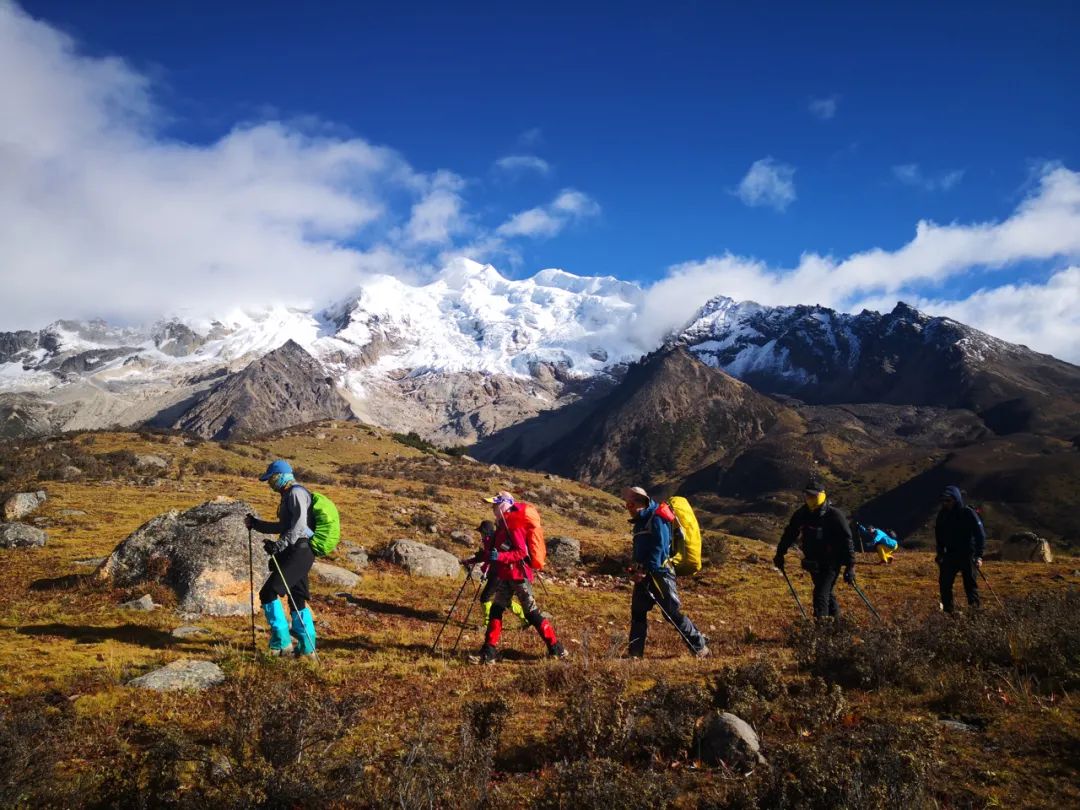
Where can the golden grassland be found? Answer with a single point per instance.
(62, 633)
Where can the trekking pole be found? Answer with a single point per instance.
(792, 589)
(296, 610)
(671, 621)
(997, 599)
(435, 643)
(468, 613)
(251, 590)
(866, 601)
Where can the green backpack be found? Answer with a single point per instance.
(326, 523)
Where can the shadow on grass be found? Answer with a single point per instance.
(62, 583)
(391, 609)
(126, 633)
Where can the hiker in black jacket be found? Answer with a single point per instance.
(825, 535)
(961, 541)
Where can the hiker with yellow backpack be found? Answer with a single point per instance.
(513, 553)
(667, 540)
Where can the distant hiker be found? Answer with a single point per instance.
(294, 556)
(654, 579)
(872, 538)
(506, 555)
(961, 541)
(487, 531)
(827, 545)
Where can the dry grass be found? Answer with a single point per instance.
(66, 651)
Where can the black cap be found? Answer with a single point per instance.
(486, 527)
(814, 485)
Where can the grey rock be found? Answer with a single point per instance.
(956, 725)
(442, 462)
(71, 472)
(423, 560)
(563, 552)
(144, 602)
(183, 674)
(22, 504)
(71, 512)
(335, 575)
(1026, 547)
(358, 556)
(495, 468)
(201, 554)
(461, 536)
(468, 459)
(724, 737)
(20, 535)
(189, 631)
(150, 461)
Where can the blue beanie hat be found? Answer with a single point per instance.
(279, 466)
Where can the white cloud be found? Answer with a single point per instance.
(520, 164)
(768, 183)
(531, 137)
(1044, 227)
(101, 214)
(911, 174)
(569, 206)
(823, 108)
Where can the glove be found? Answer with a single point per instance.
(249, 521)
(937, 559)
(849, 575)
(778, 561)
(274, 546)
(978, 562)
(493, 555)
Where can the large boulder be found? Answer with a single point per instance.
(201, 554)
(22, 504)
(1026, 547)
(563, 552)
(423, 560)
(183, 674)
(727, 738)
(334, 575)
(20, 535)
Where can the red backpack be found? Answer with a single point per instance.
(527, 518)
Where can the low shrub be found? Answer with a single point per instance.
(604, 784)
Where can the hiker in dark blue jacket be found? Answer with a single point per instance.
(654, 579)
(961, 541)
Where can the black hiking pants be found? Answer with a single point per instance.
(824, 579)
(295, 563)
(659, 588)
(948, 568)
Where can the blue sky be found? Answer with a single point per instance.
(688, 131)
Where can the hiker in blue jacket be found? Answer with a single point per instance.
(961, 541)
(654, 579)
(872, 538)
(294, 557)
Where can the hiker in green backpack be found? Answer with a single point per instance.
(291, 560)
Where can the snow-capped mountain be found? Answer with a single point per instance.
(458, 357)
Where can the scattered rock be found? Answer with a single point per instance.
(144, 602)
(1026, 547)
(956, 725)
(70, 473)
(189, 631)
(495, 468)
(21, 535)
(201, 554)
(183, 674)
(442, 462)
(563, 552)
(22, 504)
(148, 461)
(320, 436)
(335, 575)
(724, 737)
(469, 459)
(71, 512)
(461, 536)
(423, 560)
(357, 556)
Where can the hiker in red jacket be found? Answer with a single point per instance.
(506, 554)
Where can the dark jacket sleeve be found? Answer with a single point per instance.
(791, 533)
(843, 529)
(978, 534)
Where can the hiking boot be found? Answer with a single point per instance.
(704, 652)
(486, 655)
(557, 650)
(283, 652)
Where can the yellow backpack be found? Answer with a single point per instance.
(685, 538)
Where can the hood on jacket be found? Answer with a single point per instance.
(954, 493)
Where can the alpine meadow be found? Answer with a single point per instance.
(590, 406)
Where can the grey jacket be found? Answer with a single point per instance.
(292, 522)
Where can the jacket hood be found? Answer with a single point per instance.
(955, 494)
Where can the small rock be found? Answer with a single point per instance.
(148, 460)
(189, 631)
(357, 556)
(956, 725)
(335, 575)
(71, 512)
(320, 436)
(183, 674)
(495, 468)
(144, 602)
(21, 535)
(724, 737)
(563, 552)
(70, 472)
(423, 560)
(469, 459)
(461, 536)
(22, 504)
(442, 462)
